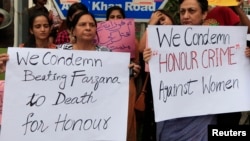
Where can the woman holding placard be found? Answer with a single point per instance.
(39, 28)
(192, 12)
(83, 29)
(117, 13)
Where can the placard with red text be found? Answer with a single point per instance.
(198, 70)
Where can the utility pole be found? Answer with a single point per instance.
(20, 21)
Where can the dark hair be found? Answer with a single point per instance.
(73, 9)
(167, 14)
(111, 9)
(78, 16)
(34, 1)
(203, 4)
(32, 41)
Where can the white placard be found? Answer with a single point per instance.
(64, 95)
(198, 70)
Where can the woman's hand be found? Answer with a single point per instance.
(147, 53)
(240, 2)
(3, 59)
(238, 7)
(155, 17)
(247, 52)
(135, 69)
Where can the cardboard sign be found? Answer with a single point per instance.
(117, 35)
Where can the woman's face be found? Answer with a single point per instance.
(115, 15)
(165, 20)
(40, 28)
(191, 13)
(85, 28)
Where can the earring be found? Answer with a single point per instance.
(73, 39)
